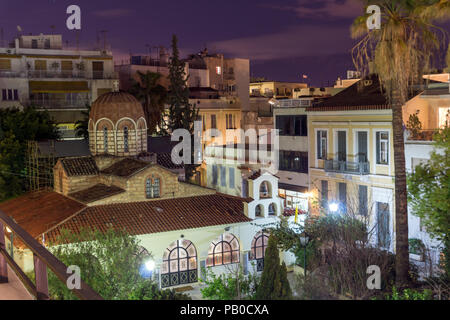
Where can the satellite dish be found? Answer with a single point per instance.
(19, 28)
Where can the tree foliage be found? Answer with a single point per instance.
(274, 283)
(182, 114)
(233, 285)
(110, 264)
(399, 52)
(16, 128)
(429, 191)
(82, 126)
(153, 97)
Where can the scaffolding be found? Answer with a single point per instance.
(39, 166)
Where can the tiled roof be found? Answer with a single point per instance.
(363, 95)
(40, 211)
(126, 167)
(159, 215)
(97, 192)
(255, 175)
(80, 166)
(165, 160)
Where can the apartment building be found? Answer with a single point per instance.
(275, 89)
(351, 159)
(36, 70)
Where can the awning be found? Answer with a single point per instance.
(292, 187)
(59, 86)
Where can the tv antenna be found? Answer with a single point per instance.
(103, 32)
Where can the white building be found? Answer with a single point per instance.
(36, 70)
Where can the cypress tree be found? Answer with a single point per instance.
(274, 284)
(182, 114)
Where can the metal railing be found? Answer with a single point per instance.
(56, 74)
(347, 167)
(57, 103)
(42, 258)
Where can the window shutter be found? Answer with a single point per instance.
(378, 147)
(319, 156)
(363, 200)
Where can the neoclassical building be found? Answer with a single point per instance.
(184, 226)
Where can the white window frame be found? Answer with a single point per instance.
(384, 141)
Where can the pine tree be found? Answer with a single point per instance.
(274, 283)
(182, 114)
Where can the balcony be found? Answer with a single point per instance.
(58, 103)
(360, 168)
(66, 74)
(15, 284)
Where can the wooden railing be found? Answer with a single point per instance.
(42, 258)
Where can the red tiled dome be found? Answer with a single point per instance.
(115, 106)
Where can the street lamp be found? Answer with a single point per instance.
(146, 270)
(304, 241)
(333, 206)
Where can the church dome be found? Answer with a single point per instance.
(115, 106)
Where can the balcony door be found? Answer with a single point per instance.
(362, 146)
(342, 145)
(97, 69)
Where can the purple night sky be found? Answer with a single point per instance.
(283, 39)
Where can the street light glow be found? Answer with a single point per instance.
(333, 207)
(150, 265)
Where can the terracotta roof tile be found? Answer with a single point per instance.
(40, 211)
(126, 167)
(159, 215)
(80, 166)
(97, 192)
(165, 160)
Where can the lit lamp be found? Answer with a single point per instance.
(147, 269)
(333, 206)
(304, 241)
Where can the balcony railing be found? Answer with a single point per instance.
(56, 74)
(422, 135)
(42, 258)
(11, 74)
(347, 167)
(57, 103)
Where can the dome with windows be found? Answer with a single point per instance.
(117, 125)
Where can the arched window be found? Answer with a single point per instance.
(105, 139)
(272, 209)
(258, 249)
(125, 139)
(179, 264)
(259, 211)
(225, 250)
(265, 190)
(152, 188)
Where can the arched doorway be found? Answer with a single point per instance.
(258, 250)
(179, 264)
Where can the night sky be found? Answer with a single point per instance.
(283, 38)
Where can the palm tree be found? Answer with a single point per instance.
(82, 126)
(399, 52)
(153, 97)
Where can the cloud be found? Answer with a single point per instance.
(296, 41)
(323, 9)
(113, 13)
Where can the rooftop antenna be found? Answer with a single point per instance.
(77, 37)
(103, 32)
(19, 30)
(1, 37)
(53, 28)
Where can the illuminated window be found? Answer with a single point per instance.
(179, 264)
(152, 188)
(258, 249)
(383, 147)
(219, 70)
(225, 250)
